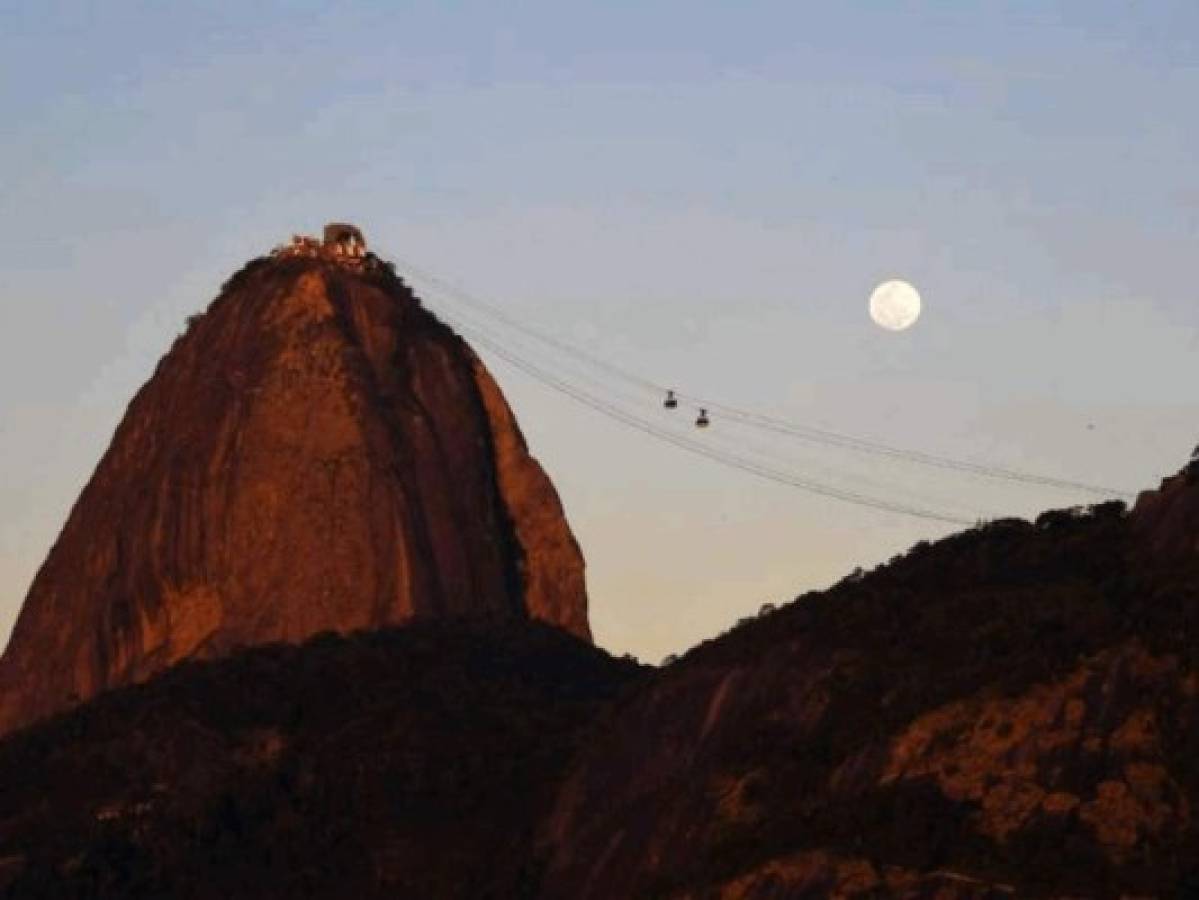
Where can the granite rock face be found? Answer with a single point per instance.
(1167, 520)
(317, 452)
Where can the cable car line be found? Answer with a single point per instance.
(702, 449)
(562, 346)
(743, 445)
(748, 418)
(849, 442)
(761, 455)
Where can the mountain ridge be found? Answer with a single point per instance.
(367, 762)
(1012, 710)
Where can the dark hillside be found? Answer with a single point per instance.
(1011, 711)
(411, 762)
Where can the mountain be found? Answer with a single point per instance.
(317, 452)
(1012, 711)
(409, 762)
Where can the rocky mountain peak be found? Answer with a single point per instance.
(316, 452)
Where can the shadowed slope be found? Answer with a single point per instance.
(1013, 709)
(411, 762)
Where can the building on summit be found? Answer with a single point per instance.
(344, 239)
(343, 243)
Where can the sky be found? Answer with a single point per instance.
(702, 194)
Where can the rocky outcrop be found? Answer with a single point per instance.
(317, 452)
(1167, 520)
(550, 564)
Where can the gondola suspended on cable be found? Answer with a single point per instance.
(672, 402)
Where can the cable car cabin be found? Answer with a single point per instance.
(671, 402)
(702, 420)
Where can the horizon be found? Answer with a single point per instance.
(638, 191)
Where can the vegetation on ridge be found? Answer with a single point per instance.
(410, 762)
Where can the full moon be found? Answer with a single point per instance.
(895, 305)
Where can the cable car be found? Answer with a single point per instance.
(702, 420)
(671, 402)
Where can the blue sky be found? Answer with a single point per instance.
(704, 194)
